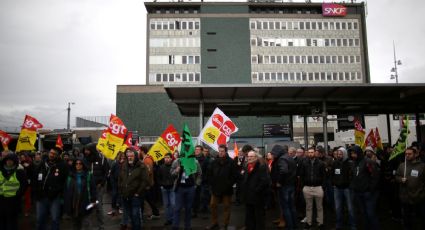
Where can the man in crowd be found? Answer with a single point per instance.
(149, 196)
(221, 176)
(166, 182)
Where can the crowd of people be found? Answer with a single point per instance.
(305, 185)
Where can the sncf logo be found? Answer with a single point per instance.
(333, 10)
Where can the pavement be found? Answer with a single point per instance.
(203, 220)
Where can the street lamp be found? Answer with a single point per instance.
(394, 69)
(69, 115)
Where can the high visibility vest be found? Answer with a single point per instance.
(8, 188)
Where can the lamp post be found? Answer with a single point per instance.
(69, 115)
(394, 69)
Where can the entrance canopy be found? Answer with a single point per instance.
(279, 99)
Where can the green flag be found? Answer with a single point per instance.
(187, 152)
(401, 144)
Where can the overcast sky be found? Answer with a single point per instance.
(57, 51)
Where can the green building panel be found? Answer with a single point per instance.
(151, 113)
(226, 51)
(224, 9)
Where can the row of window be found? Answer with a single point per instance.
(175, 59)
(303, 25)
(309, 59)
(175, 77)
(175, 25)
(175, 42)
(305, 76)
(319, 42)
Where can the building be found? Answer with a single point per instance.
(257, 43)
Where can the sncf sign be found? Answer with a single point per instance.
(333, 10)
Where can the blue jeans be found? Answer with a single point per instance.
(132, 208)
(184, 199)
(43, 207)
(169, 201)
(367, 203)
(341, 196)
(286, 201)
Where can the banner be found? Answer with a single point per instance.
(217, 130)
(187, 152)
(401, 144)
(359, 134)
(128, 142)
(28, 134)
(101, 143)
(166, 143)
(378, 139)
(5, 139)
(114, 138)
(59, 143)
(370, 140)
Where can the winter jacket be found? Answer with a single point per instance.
(164, 176)
(277, 151)
(287, 170)
(341, 173)
(256, 185)
(413, 191)
(133, 180)
(77, 199)
(97, 164)
(194, 179)
(365, 174)
(221, 176)
(49, 179)
(313, 172)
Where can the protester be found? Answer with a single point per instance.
(197, 199)
(49, 183)
(79, 195)
(313, 178)
(364, 183)
(205, 187)
(116, 202)
(149, 195)
(255, 186)
(241, 161)
(166, 182)
(411, 177)
(274, 156)
(26, 162)
(99, 167)
(133, 183)
(184, 188)
(221, 176)
(13, 183)
(341, 176)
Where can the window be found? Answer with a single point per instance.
(349, 25)
(272, 59)
(333, 42)
(184, 77)
(316, 59)
(190, 25)
(343, 26)
(285, 76)
(191, 77)
(298, 75)
(301, 25)
(260, 59)
(197, 60)
(355, 25)
(283, 25)
(340, 60)
(303, 59)
(197, 26)
(304, 76)
(171, 77)
(279, 76)
(165, 26)
(331, 26)
(291, 59)
(309, 59)
(191, 60)
(277, 25)
(334, 76)
(158, 77)
(307, 25)
(254, 59)
(328, 76)
(334, 60)
(289, 25)
(252, 25)
(295, 25)
(310, 76)
(297, 60)
(254, 76)
(258, 25)
(177, 25)
(328, 59)
(357, 59)
(260, 76)
(325, 25)
(352, 59)
(344, 42)
(357, 42)
(159, 26)
(322, 59)
(265, 25)
(266, 59)
(279, 59)
(313, 25)
(152, 25)
(316, 76)
(285, 59)
(171, 25)
(184, 59)
(326, 42)
(267, 77)
(273, 76)
(337, 26)
(292, 76)
(184, 25)
(338, 42)
(351, 42)
(178, 77)
(271, 25)
(319, 25)
(346, 60)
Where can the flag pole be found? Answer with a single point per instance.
(405, 148)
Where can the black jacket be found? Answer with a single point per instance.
(97, 164)
(341, 173)
(256, 185)
(221, 176)
(164, 176)
(49, 179)
(313, 172)
(75, 203)
(277, 151)
(287, 170)
(365, 174)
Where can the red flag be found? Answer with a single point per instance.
(117, 127)
(378, 140)
(136, 146)
(129, 141)
(5, 139)
(31, 123)
(236, 150)
(370, 140)
(59, 143)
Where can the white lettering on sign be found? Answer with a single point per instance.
(171, 141)
(117, 129)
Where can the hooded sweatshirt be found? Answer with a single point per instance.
(277, 151)
(341, 171)
(365, 174)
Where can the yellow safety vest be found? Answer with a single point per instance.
(8, 188)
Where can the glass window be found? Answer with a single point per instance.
(277, 25)
(334, 76)
(259, 25)
(313, 25)
(284, 59)
(349, 26)
(191, 77)
(304, 76)
(355, 25)
(197, 59)
(184, 25)
(254, 59)
(273, 59)
(316, 76)
(158, 77)
(328, 59)
(346, 59)
(279, 76)
(164, 77)
(308, 41)
(319, 25)
(298, 75)
(322, 59)
(279, 59)
(337, 26)
(292, 76)
(295, 25)
(289, 25)
(343, 26)
(266, 59)
(197, 25)
(307, 25)
(297, 59)
(190, 25)
(178, 77)
(333, 42)
(309, 59)
(273, 76)
(184, 59)
(191, 60)
(171, 25)
(351, 42)
(254, 76)
(271, 25)
(357, 59)
(334, 60)
(260, 76)
(267, 76)
(326, 42)
(316, 59)
(328, 76)
(152, 25)
(340, 59)
(260, 59)
(159, 25)
(322, 76)
(285, 76)
(265, 25)
(352, 59)
(252, 25)
(184, 77)
(301, 25)
(357, 42)
(177, 25)
(338, 42)
(310, 76)
(325, 25)
(303, 59)
(291, 59)
(165, 26)
(331, 25)
(344, 42)
(283, 25)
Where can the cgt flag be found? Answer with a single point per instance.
(359, 133)
(378, 139)
(187, 152)
(114, 138)
(166, 143)
(5, 139)
(28, 134)
(401, 144)
(128, 142)
(370, 140)
(217, 130)
(59, 143)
